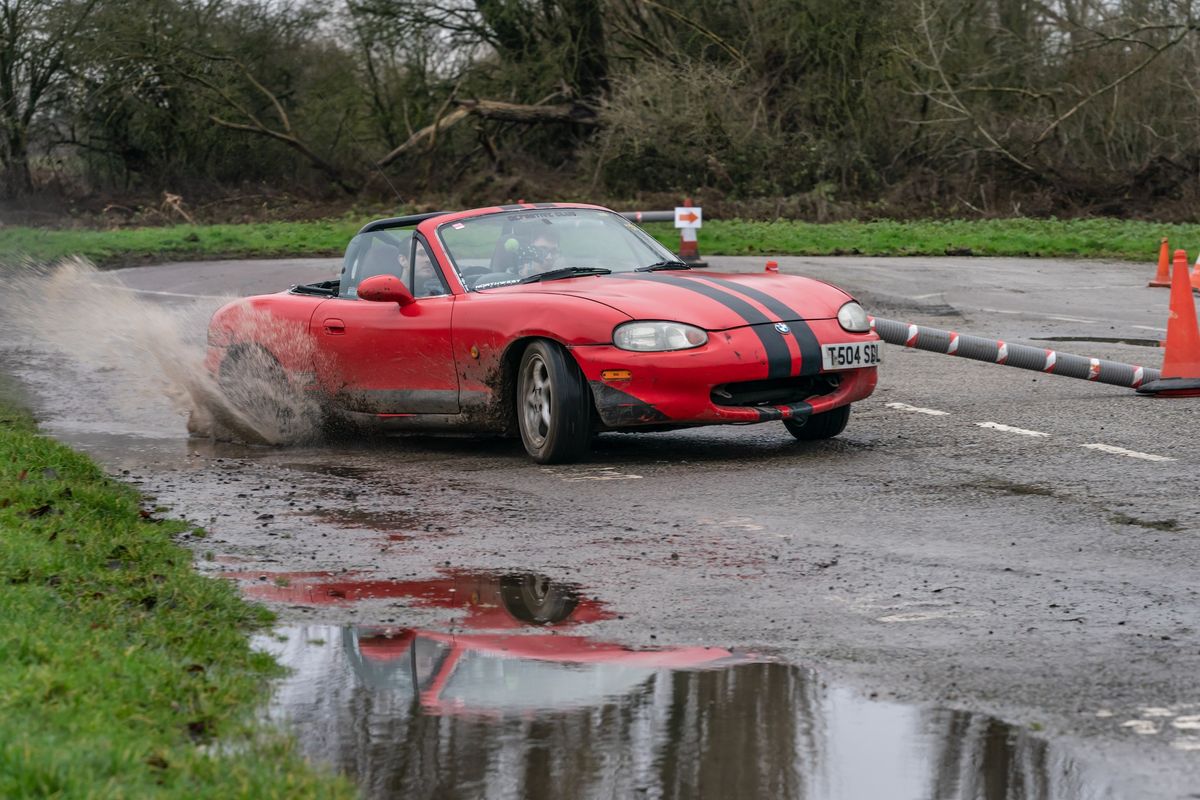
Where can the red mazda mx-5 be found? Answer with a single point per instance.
(552, 320)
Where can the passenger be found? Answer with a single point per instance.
(380, 258)
(383, 259)
(426, 281)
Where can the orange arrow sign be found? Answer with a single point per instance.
(689, 216)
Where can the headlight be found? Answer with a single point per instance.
(657, 336)
(853, 318)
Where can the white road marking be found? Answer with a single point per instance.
(1121, 451)
(919, 616)
(163, 294)
(925, 296)
(1149, 328)
(1191, 723)
(1155, 711)
(933, 412)
(996, 426)
(1143, 727)
(741, 523)
(1073, 319)
(1188, 743)
(1038, 316)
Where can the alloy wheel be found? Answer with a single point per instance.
(538, 399)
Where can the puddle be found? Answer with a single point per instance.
(513, 703)
(335, 470)
(487, 600)
(421, 713)
(1101, 340)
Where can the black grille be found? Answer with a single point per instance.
(774, 392)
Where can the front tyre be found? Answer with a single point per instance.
(537, 600)
(553, 405)
(819, 426)
(259, 405)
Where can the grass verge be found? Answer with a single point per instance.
(123, 672)
(127, 246)
(1080, 238)
(1088, 238)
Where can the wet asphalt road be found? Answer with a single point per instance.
(920, 559)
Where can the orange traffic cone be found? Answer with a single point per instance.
(1196, 275)
(1163, 276)
(1181, 361)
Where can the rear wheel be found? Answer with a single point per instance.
(819, 426)
(553, 405)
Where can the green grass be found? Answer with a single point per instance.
(1086, 238)
(123, 246)
(123, 672)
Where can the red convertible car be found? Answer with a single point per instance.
(551, 321)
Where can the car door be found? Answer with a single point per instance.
(385, 358)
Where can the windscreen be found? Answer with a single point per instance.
(501, 249)
(486, 681)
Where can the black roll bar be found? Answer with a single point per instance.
(400, 222)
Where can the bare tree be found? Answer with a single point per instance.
(1014, 78)
(822, 107)
(249, 120)
(37, 41)
(568, 113)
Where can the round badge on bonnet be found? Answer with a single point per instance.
(782, 328)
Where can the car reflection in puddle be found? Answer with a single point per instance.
(491, 601)
(424, 713)
(485, 674)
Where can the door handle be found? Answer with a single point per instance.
(335, 327)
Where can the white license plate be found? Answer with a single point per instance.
(850, 356)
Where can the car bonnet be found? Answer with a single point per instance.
(714, 301)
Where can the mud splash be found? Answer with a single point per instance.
(152, 351)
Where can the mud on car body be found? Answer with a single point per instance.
(551, 322)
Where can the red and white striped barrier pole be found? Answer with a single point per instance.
(648, 216)
(687, 218)
(1020, 356)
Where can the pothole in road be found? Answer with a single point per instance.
(399, 524)
(510, 697)
(334, 470)
(1101, 340)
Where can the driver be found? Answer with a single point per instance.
(528, 250)
(540, 255)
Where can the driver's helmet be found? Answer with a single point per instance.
(535, 248)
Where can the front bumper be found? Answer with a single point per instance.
(677, 388)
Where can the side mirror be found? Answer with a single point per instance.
(385, 289)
